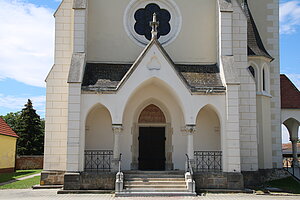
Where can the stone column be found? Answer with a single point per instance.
(190, 131)
(117, 130)
(295, 153)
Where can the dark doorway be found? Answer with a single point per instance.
(152, 148)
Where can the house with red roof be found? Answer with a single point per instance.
(8, 140)
(290, 113)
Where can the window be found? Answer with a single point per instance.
(252, 71)
(264, 80)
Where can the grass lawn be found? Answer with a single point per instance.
(18, 174)
(24, 184)
(286, 184)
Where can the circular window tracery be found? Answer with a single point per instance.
(144, 15)
(138, 16)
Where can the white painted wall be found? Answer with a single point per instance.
(107, 40)
(98, 130)
(208, 131)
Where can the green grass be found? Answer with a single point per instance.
(286, 184)
(24, 184)
(18, 174)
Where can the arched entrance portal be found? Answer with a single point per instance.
(152, 140)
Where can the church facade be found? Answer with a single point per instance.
(160, 81)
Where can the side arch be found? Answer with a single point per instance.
(208, 129)
(98, 129)
(208, 140)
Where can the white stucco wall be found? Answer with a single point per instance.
(107, 40)
(208, 132)
(98, 130)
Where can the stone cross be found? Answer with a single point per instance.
(154, 24)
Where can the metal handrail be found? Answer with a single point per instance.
(288, 165)
(120, 162)
(189, 165)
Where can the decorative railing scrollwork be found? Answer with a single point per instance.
(208, 161)
(98, 160)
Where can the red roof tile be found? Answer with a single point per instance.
(290, 95)
(6, 130)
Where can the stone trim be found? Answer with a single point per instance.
(76, 68)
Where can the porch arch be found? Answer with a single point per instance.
(292, 126)
(207, 140)
(98, 129)
(162, 86)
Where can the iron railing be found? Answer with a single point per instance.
(98, 160)
(189, 167)
(208, 161)
(120, 163)
(288, 165)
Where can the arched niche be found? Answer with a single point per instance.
(208, 130)
(98, 129)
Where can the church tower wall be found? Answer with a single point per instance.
(57, 92)
(266, 16)
(247, 92)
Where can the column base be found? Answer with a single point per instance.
(52, 178)
(72, 181)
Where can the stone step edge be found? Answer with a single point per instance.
(85, 192)
(36, 187)
(149, 194)
(146, 182)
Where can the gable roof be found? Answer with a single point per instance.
(100, 77)
(290, 95)
(255, 44)
(6, 130)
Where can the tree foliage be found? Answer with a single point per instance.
(30, 129)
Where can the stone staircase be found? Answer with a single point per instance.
(154, 183)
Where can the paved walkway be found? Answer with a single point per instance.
(20, 179)
(30, 194)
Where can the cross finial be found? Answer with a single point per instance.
(154, 24)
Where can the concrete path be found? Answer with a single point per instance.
(20, 179)
(29, 194)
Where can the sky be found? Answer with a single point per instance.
(27, 50)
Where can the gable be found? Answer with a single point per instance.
(104, 77)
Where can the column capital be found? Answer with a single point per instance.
(190, 129)
(117, 128)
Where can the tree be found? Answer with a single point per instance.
(30, 131)
(12, 119)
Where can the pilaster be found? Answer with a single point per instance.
(117, 130)
(80, 25)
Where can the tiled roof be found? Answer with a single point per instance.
(106, 77)
(287, 148)
(255, 44)
(290, 95)
(6, 130)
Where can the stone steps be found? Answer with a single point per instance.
(131, 183)
(154, 183)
